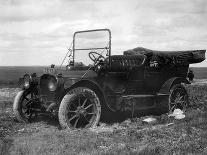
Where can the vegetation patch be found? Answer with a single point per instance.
(166, 136)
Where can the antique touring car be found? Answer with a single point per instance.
(96, 85)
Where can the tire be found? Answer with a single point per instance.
(79, 108)
(19, 107)
(178, 98)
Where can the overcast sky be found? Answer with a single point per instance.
(38, 32)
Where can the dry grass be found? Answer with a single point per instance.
(187, 136)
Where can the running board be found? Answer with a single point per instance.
(144, 96)
(143, 101)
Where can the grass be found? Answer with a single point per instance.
(166, 136)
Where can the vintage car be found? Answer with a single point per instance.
(109, 87)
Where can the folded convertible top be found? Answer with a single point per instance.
(169, 57)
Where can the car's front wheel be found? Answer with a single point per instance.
(22, 106)
(80, 108)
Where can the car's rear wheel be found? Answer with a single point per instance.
(22, 106)
(80, 108)
(178, 98)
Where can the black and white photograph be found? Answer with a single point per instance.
(92, 77)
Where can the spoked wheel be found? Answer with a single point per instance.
(22, 106)
(178, 98)
(81, 109)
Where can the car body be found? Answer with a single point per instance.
(113, 87)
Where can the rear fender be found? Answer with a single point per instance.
(171, 82)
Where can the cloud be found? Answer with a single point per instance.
(29, 27)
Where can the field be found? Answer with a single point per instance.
(9, 76)
(200, 73)
(165, 136)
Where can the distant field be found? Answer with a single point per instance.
(11, 75)
(200, 72)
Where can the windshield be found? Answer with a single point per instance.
(90, 43)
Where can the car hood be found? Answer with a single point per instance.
(79, 74)
(71, 77)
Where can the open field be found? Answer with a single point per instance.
(9, 76)
(166, 136)
(200, 73)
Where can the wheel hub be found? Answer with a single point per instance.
(81, 111)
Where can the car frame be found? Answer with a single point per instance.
(115, 87)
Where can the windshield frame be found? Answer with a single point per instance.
(86, 31)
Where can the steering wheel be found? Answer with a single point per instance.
(95, 57)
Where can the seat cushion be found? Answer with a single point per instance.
(119, 63)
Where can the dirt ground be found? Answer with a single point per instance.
(165, 136)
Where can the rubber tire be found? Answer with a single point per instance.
(66, 101)
(16, 107)
(172, 89)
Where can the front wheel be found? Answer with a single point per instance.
(80, 108)
(22, 106)
(178, 98)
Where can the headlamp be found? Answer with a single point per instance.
(52, 83)
(26, 81)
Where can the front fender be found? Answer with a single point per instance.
(92, 84)
(171, 82)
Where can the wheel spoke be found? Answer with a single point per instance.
(180, 98)
(72, 111)
(84, 103)
(26, 98)
(75, 124)
(72, 118)
(25, 108)
(90, 113)
(172, 108)
(25, 111)
(27, 103)
(88, 106)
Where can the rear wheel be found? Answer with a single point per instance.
(80, 108)
(178, 98)
(22, 106)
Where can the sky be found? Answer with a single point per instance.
(39, 32)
